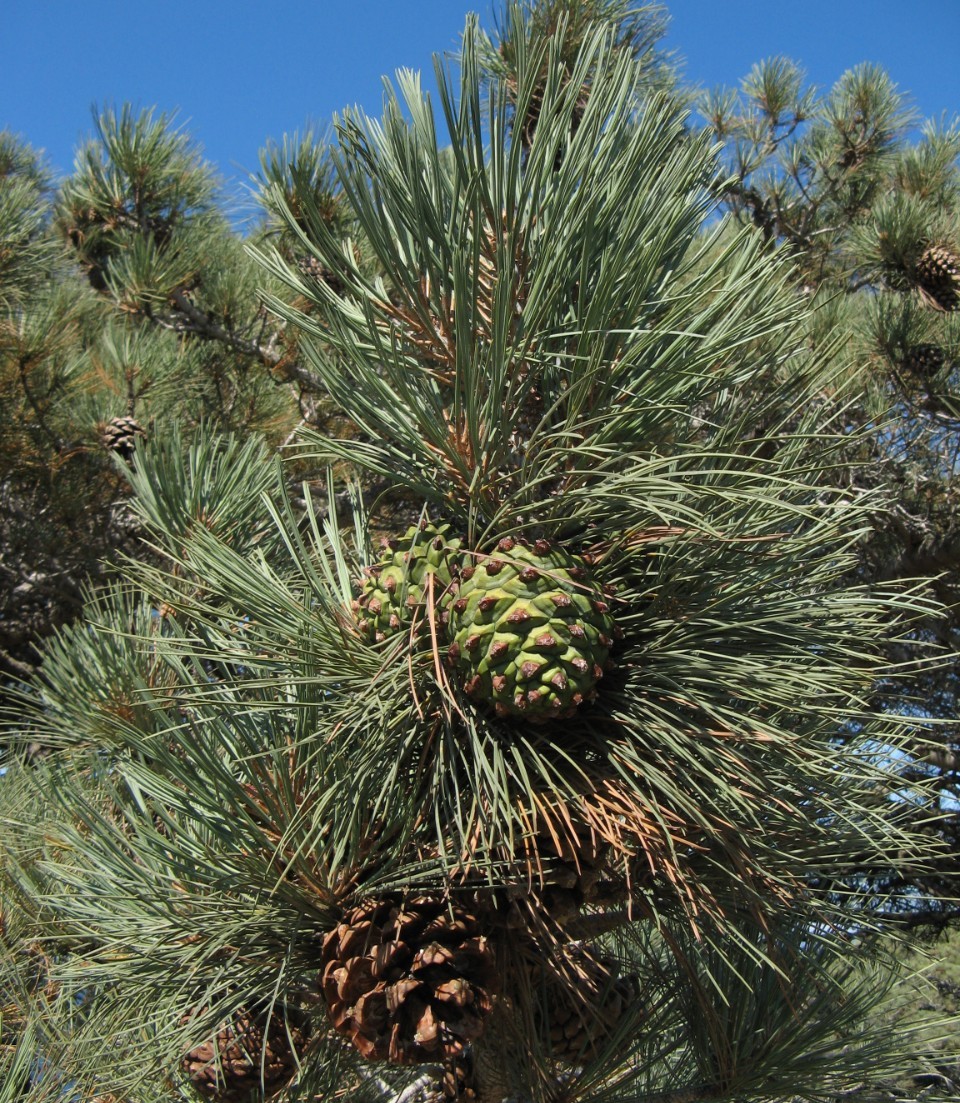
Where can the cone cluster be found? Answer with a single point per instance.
(408, 981)
(250, 1057)
(938, 276)
(527, 629)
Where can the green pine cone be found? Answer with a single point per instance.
(531, 633)
(394, 593)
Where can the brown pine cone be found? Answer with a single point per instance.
(581, 999)
(316, 270)
(408, 981)
(248, 1057)
(924, 360)
(938, 276)
(120, 435)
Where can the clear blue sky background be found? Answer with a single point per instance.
(240, 72)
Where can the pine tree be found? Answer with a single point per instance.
(871, 211)
(535, 800)
(127, 303)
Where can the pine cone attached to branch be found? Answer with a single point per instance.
(938, 276)
(251, 1056)
(531, 631)
(316, 270)
(120, 435)
(408, 982)
(924, 360)
(584, 999)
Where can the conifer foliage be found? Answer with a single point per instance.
(531, 803)
(871, 213)
(126, 303)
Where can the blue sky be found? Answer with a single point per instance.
(241, 72)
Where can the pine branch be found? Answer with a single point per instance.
(193, 320)
(199, 321)
(16, 667)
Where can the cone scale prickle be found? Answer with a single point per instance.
(530, 632)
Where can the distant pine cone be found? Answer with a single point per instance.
(244, 1061)
(120, 436)
(455, 1084)
(315, 269)
(525, 125)
(408, 982)
(583, 998)
(924, 360)
(938, 276)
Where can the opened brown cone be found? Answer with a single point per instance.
(938, 276)
(249, 1057)
(120, 435)
(408, 981)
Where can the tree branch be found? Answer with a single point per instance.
(204, 326)
(14, 666)
(197, 321)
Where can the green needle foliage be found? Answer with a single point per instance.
(275, 855)
(870, 213)
(127, 304)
